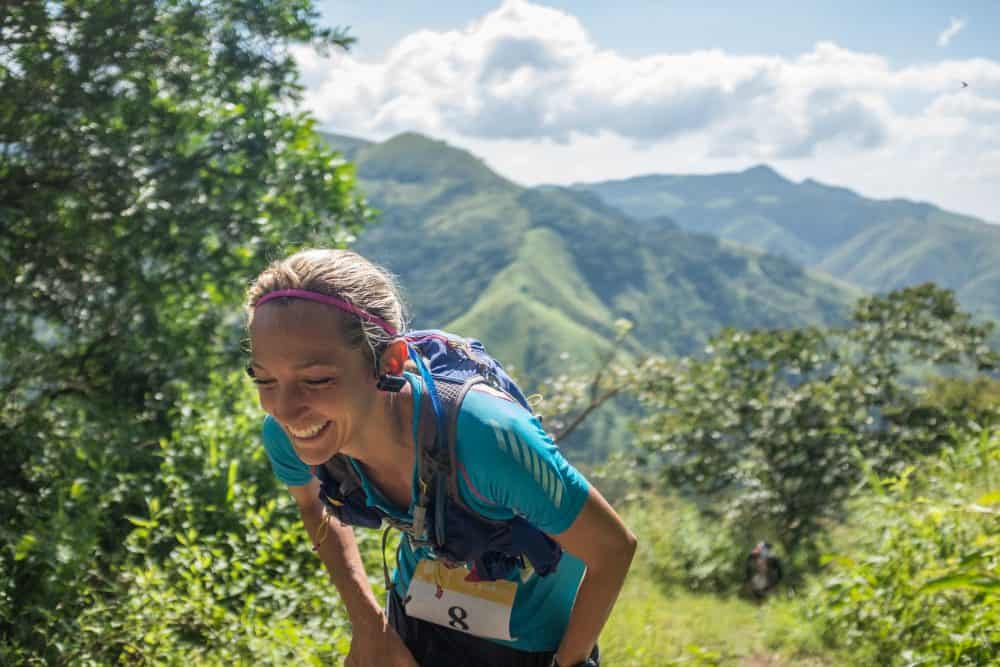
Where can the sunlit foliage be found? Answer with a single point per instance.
(148, 167)
(921, 583)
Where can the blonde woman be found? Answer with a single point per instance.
(546, 554)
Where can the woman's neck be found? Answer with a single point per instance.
(388, 446)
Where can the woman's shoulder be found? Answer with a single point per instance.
(487, 404)
(507, 459)
(492, 424)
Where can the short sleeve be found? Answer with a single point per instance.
(285, 463)
(508, 461)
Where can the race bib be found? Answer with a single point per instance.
(441, 595)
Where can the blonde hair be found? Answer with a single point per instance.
(342, 274)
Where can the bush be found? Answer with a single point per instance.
(681, 547)
(921, 586)
(218, 568)
(977, 398)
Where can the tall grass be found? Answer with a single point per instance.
(680, 604)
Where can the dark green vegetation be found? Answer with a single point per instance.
(808, 437)
(775, 428)
(147, 170)
(877, 245)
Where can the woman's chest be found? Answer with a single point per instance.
(398, 491)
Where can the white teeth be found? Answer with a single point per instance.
(308, 432)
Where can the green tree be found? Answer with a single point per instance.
(978, 398)
(768, 426)
(149, 165)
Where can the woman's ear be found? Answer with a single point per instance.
(394, 358)
(391, 366)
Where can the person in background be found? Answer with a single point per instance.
(762, 572)
(325, 336)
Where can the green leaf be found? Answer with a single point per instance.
(974, 582)
(142, 523)
(874, 482)
(24, 546)
(991, 498)
(231, 480)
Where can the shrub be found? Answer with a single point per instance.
(681, 547)
(922, 585)
(218, 568)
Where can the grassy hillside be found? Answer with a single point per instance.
(479, 253)
(876, 244)
(539, 292)
(951, 252)
(540, 275)
(349, 146)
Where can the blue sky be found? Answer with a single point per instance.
(860, 94)
(904, 32)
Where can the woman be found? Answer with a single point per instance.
(324, 328)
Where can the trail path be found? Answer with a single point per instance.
(775, 660)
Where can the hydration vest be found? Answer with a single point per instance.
(452, 531)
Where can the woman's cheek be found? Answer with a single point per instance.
(265, 399)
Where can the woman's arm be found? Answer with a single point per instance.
(339, 553)
(373, 641)
(599, 538)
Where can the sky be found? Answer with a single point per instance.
(865, 95)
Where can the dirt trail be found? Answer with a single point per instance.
(776, 660)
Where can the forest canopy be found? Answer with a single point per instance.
(149, 165)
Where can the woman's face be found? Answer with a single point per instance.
(320, 390)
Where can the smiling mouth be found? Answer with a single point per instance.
(311, 433)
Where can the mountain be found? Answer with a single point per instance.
(541, 274)
(878, 245)
(555, 267)
(349, 146)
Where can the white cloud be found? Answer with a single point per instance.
(949, 33)
(525, 79)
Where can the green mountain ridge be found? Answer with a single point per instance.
(555, 266)
(877, 245)
(541, 274)
(414, 158)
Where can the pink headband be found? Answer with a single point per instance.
(330, 301)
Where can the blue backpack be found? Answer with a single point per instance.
(449, 367)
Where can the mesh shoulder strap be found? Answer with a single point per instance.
(452, 394)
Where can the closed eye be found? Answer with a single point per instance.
(260, 382)
(319, 382)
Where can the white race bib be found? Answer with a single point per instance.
(441, 595)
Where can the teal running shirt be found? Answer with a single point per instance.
(507, 465)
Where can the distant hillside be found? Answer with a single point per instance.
(876, 244)
(349, 146)
(554, 268)
(540, 275)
